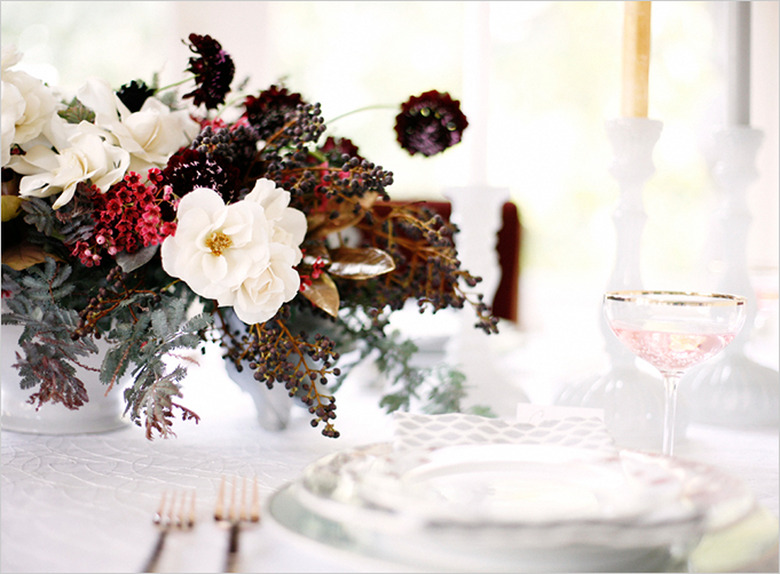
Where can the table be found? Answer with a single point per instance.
(84, 503)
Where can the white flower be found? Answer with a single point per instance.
(27, 104)
(151, 135)
(89, 157)
(242, 254)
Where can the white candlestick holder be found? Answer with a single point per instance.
(732, 389)
(476, 210)
(632, 399)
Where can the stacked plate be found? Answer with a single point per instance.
(510, 507)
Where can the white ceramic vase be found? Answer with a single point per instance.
(101, 413)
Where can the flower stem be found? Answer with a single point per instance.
(173, 85)
(363, 109)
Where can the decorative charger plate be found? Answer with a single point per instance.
(510, 507)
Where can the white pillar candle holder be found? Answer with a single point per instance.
(476, 210)
(732, 389)
(632, 399)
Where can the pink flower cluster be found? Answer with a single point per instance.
(128, 217)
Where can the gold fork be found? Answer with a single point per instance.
(235, 514)
(179, 513)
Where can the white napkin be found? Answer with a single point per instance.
(561, 426)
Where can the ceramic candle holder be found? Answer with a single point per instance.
(632, 399)
(732, 389)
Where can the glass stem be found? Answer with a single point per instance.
(671, 381)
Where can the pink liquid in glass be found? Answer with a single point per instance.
(670, 351)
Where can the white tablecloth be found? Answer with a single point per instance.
(84, 503)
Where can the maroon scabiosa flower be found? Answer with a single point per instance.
(430, 123)
(266, 112)
(336, 148)
(213, 69)
(190, 168)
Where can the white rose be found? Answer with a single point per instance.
(289, 223)
(240, 254)
(260, 296)
(90, 157)
(151, 135)
(215, 245)
(12, 110)
(27, 105)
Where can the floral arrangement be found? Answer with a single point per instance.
(149, 221)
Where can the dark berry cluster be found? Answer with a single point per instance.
(238, 144)
(267, 112)
(117, 294)
(427, 267)
(278, 356)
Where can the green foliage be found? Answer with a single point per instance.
(76, 112)
(438, 389)
(49, 354)
(147, 327)
(144, 345)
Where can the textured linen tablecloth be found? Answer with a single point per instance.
(84, 503)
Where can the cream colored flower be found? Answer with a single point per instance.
(27, 105)
(151, 135)
(242, 254)
(90, 157)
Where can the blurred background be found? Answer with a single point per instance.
(539, 79)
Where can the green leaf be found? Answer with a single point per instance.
(76, 112)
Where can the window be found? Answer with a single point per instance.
(552, 79)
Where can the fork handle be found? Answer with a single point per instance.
(151, 563)
(231, 562)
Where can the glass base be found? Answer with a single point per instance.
(633, 405)
(732, 390)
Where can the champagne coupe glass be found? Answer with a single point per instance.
(673, 331)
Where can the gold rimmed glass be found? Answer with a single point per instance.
(674, 330)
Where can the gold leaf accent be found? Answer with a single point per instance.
(24, 255)
(360, 263)
(324, 294)
(11, 204)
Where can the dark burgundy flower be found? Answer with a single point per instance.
(213, 69)
(134, 94)
(335, 148)
(430, 123)
(267, 111)
(190, 168)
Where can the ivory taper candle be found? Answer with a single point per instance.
(738, 64)
(636, 58)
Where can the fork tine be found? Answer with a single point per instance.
(219, 508)
(243, 515)
(173, 512)
(240, 510)
(254, 513)
(190, 523)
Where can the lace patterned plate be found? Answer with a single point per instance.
(506, 507)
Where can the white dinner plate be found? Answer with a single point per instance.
(510, 507)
